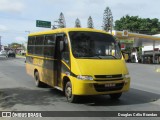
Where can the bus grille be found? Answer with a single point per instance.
(109, 76)
(100, 80)
(102, 88)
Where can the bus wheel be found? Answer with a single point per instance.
(115, 96)
(68, 93)
(37, 80)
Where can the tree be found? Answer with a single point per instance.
(77, 23)
(61, 21)
(138, 25)
(14, 45)
(107, 19)
(126, 23)
(90, 22)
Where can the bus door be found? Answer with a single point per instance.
(58, 58)
(61, 54)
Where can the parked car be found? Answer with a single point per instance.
(3, 53)
(11, 53)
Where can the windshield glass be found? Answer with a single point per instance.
(94, 45)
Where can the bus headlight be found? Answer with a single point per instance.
(126, 79)
(81, 77)
(126, 76)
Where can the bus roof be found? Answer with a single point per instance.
(60, 30)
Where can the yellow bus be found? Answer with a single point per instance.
(78, 61)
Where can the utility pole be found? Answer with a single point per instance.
(25, 44)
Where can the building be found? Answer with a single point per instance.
(1, 47)
(140, 47)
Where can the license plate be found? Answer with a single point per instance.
(110, 85)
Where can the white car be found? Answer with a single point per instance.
(3, 53)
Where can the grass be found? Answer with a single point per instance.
(20, 55)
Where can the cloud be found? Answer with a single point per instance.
(49, 10)
(11, 5)
(20, 39)
(3, 28)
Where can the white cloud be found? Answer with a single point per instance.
(11, 5)
(3, 28)
(15, 25)
(20, 39)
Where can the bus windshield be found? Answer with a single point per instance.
(94, 45)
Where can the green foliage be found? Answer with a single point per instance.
(16, 45)
(107, 19)
(139, 25)
(90, 22)
(61, 21)
(77, 23)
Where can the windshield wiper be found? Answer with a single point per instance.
(91, 57)
(106, 56)
(112, 56)
(98, 57)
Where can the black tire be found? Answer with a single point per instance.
(115, 96)
(37, 80)
(68, 93)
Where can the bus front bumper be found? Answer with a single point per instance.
(91, 87)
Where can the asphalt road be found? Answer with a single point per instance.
(18, 92)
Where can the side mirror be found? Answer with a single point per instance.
(61, 45)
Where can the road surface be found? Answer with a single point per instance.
(18, 92)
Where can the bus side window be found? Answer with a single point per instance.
(39, 45)
(31, 45)
(49, 46)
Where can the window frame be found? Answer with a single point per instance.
(53, 46)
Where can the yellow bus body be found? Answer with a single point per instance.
(89, 67)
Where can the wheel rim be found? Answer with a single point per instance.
(69, 92)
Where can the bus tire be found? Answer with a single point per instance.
(37, 80)
(68, 93)
(115, 96)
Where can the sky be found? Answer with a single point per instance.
(18, 17)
